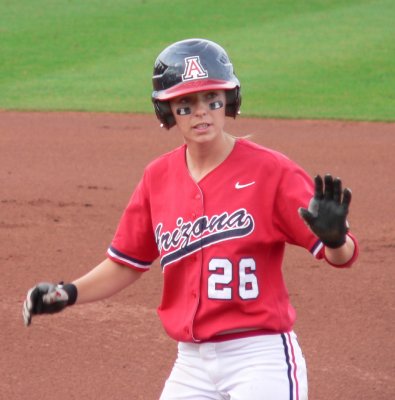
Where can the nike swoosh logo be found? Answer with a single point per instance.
(242, 186)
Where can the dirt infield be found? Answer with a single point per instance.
(65, 179)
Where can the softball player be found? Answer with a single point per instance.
(217, 211)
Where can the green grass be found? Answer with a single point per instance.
(295, 59)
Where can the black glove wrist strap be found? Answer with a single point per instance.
(336, 244)
(72, 292)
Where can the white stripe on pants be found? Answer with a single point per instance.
(265, 367)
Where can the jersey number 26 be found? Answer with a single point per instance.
(222, 276)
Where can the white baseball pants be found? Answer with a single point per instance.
(266, 367)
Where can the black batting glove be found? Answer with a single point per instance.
(48, 298)
(327, 212)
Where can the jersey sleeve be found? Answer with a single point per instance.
(295, 190)
(134, 243)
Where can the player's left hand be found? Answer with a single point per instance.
(327, 212)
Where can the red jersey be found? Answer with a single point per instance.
(220, 241)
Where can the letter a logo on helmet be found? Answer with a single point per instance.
(193, 69)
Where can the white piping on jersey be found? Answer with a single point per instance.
(317, 249)
(125, 260)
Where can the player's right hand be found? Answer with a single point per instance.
(47, 298)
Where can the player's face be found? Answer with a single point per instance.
(200, 116)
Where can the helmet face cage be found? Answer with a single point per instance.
(191, 66)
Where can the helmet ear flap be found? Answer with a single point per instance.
(233, 102)
(164, 113)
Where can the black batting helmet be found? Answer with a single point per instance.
(190, 66)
